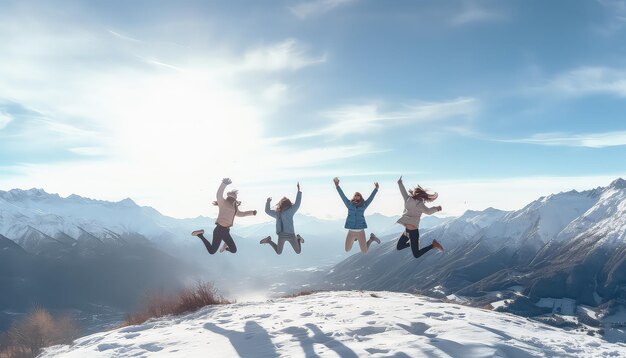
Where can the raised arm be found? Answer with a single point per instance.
(403, 191)
(343, 196)
(371, 197)
(296, 205)
(220, 191)
(268, 210)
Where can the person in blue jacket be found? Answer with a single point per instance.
(283, 214)
(355, 222)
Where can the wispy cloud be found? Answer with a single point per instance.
(5, 119)
(590, 80)
(474, 13)
(369, 118)
(317, 7)
(286, 55)
(88, 151)
(123, 37)
(615, 11)
(590, 140)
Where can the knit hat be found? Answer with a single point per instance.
(232, 194)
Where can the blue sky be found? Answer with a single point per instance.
(490, 103)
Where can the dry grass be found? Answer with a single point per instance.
(37, 330)
(188, 300)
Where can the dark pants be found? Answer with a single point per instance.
(220, 234)
(414, 237)
(282, 238)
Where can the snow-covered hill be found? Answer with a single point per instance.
(341, 324)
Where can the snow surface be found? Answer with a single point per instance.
(341, 324)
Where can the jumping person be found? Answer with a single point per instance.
(414, 207)
(228, 209)
(283, 214)
(355, 222)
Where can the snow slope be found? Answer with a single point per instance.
(345, 324)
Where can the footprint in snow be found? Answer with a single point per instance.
(106, 346)
(376, 350)
(132, 335)
(367, 313)
(152, 347)
(306, 314)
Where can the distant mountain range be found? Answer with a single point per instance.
(570, 245)
(63, 252)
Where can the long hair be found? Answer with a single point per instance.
(355, 200)
(421, 194)
(283, 204)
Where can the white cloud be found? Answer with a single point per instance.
(123, 37)
(589, 140)
(590, 80)
(5, 119)
(287, 55)
(172, 123)
(88, 151)
(316, 7)
(615, 16)
(368, 118)
(474, 15)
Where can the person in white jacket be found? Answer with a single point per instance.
(414, 207)
(228, 209)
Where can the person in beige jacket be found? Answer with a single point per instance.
(228, 209)
(414, 207)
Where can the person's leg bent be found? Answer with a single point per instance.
(295, 243)
(362, 242)
(229, 242)
(349, 240)
(207, 244)
(403, 241)
(281, 244)
(414, 235)
(273, 245)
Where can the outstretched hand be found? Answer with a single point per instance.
(439, 208)
(227, 181)
(376, 184)
(298, 186)
(269, 199)
(253, 212)
(400, 180)
(336, 180)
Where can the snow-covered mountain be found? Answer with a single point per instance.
(64, 219)
(342, 324)
(34, 218)
(569, 245)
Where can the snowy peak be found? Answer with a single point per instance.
(618, 183)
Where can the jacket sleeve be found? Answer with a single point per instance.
(269, 211)
(244, 213)
(343, 197)
(296, 205)
(372, 195)
(405, 195)
(428, 210)
(220, 193)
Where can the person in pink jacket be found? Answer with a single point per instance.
(228, 209)
(414, 207)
